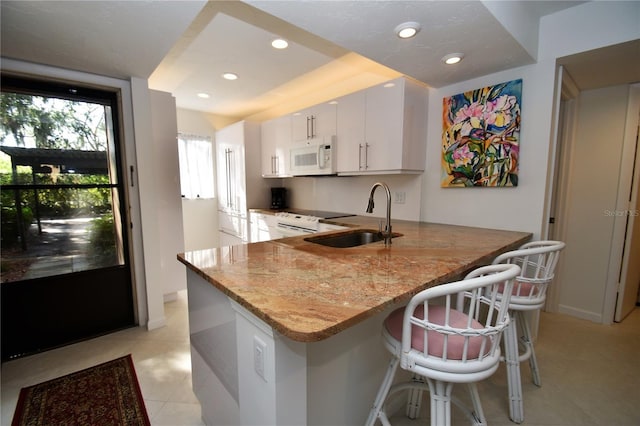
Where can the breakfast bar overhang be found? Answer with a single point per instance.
(287, 331)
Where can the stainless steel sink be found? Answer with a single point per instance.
(353, 238)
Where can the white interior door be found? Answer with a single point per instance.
(593, 224)
(630, 269)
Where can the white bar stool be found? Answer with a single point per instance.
(454, 341)
(537, 261)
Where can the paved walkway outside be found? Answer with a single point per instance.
(62, 247)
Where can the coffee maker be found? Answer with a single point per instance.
(278, 198)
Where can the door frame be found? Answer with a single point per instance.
(559, 196)
(563, 144)
(129, 161)
(65, 306)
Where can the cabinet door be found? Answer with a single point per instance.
(384, 126)
(269, 140)
(324, 119)
(229, 240)
(258, 228)
(282, 144)
(301, 125)
(230, 169)
(263, 227)
(350, 132)
(314, 122)
(276, 142)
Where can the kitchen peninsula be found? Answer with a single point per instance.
(288, 331)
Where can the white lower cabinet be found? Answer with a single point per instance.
(229, 239)
(263, 227)
(233, 229)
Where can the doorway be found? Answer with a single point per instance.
(596, 195)
(66, 273)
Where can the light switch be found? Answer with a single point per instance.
(259, 352)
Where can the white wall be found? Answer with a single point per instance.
(170, 236)
(588, 26)
(351, 194)
(514, 208)
(200, 222)
(145, 173)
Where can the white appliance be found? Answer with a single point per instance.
(313, 157)
(239, 180)
(292, 224)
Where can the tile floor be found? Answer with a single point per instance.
(161, 358)
(590, 373)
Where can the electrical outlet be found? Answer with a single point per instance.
(259, 352)
(400, 197)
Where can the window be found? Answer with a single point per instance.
(196, 166)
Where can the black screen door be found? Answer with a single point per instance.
(65, 258)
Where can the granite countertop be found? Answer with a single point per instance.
(309, 292)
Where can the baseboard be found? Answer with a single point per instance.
(579, 313)
(170, 297)
(156, 323)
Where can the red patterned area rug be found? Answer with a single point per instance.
(107, 394)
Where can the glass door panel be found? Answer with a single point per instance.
(62, 199)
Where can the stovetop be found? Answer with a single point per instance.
(318, 213)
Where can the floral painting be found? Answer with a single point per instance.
(481, 135)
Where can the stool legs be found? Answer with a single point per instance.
(477, 415)
(376, 411)
(440, 402)
(440, 395)
(415, 399)
(527, 341)
(518, 332)
(512, 359)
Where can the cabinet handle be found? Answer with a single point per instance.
(277, 163)
(359, 156)
(233, 179)
(228, 173)
(313, 126)
(366, 156)
(308, 126)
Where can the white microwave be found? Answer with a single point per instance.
(314, 157)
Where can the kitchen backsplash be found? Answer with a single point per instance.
(350, 194)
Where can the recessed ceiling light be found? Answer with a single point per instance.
(203, 95)
(452, 58)
(279, 43)
(407, 29)
(230, 76)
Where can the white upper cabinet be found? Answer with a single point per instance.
(314, 122)
(382, 130)
(351, 140)
(276, 142)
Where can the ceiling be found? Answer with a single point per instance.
(335, 47)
